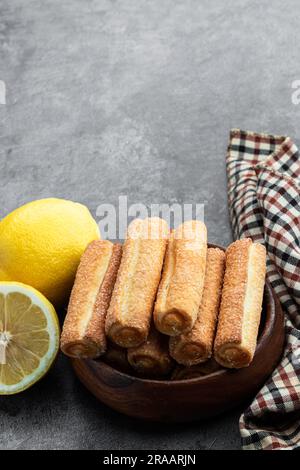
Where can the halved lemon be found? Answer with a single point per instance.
(29, 336)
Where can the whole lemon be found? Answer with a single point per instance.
(41, 244)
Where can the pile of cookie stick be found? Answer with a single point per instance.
(164, 305)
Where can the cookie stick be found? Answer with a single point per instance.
(196, 346)
(241, 304)
(83, 332)
(129, 315)
(195, 371)
(116, 357)
(180, 290)
(152, 358)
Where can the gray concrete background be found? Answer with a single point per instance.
(133, 97)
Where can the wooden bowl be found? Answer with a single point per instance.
(187, 400)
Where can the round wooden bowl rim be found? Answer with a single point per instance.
(261, 340)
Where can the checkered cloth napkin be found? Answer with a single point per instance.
(264, 201)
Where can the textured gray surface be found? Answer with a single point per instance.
(136, 98)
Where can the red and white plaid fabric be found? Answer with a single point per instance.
(264, 200)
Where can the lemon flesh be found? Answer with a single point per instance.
(29, 336)
(41, 244)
